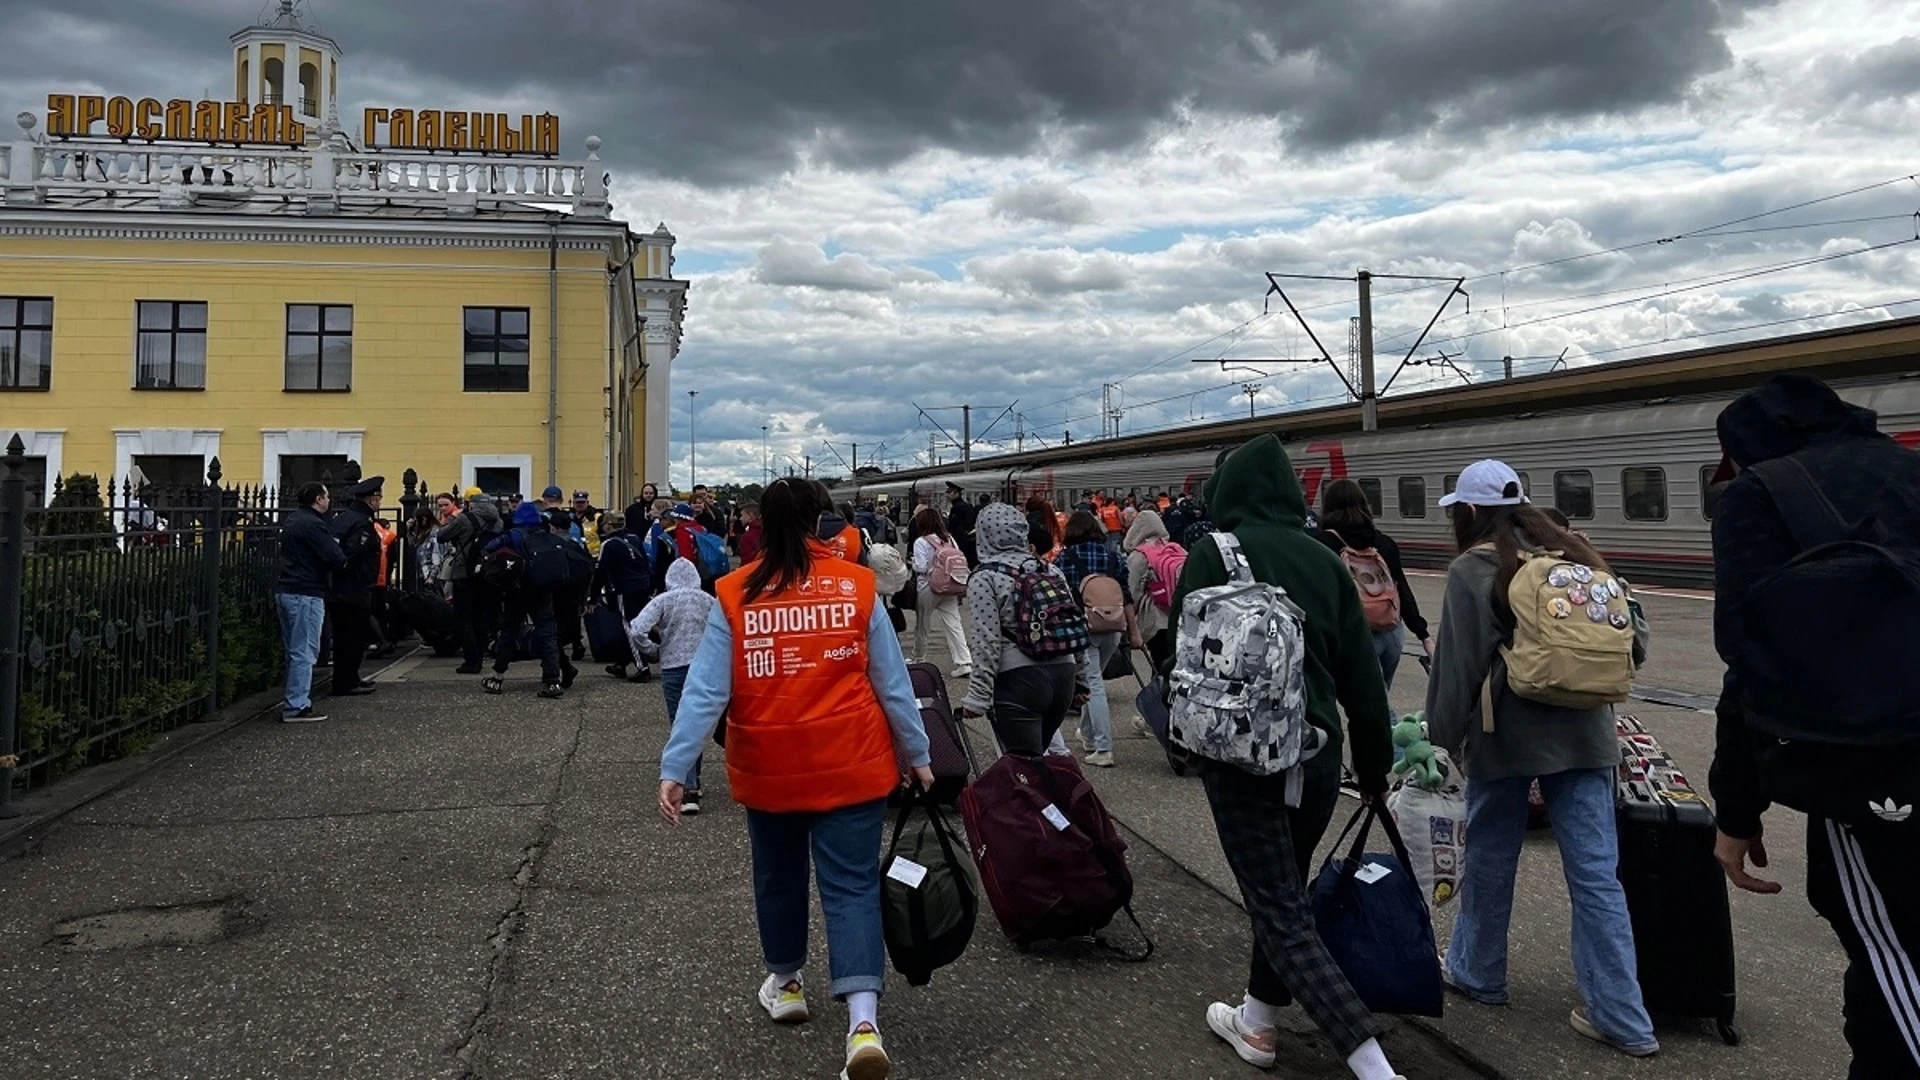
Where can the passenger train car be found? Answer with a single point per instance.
(1634, 477)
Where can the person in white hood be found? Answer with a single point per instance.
(680, 615)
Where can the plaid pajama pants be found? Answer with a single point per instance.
(1257, 832)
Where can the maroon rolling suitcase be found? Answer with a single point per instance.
(950, 752)
(1051, 862)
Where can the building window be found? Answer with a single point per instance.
(172, 352)
(298, 470)
(26, 342)
(498, 480)
(1643, 494)
(319, 347)
(1371, 486)
(1413, 497)
(174, 483)
(1709, 491)
(1573, 494)
(496, 349)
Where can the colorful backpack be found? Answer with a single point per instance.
(1379, 596)
(1105, 603)
(1165, 560)
(1239, 676)
(1573, 633)
(1046, 622)
(948, 574)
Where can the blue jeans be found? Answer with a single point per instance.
(1096, 720)
(673, 680)
(845, 845)
(1581, 802)
(1386, 646)
(301, 618)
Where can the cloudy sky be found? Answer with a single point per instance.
(884, 204)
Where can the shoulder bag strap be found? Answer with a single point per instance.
(1235, 559)
(1809, 514)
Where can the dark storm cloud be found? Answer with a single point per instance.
(731, 90)
(1885, 71)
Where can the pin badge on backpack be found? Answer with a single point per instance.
(1559, 608)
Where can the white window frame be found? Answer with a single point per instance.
(471, 464)
(49, 443)
(129, 443)
(278, 442)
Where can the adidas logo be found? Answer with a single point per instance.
(1889, 812)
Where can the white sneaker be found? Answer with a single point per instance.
(786, 1004)
(1224, 1019)
(866, 1057)
(1101, 758)
(1580, 1023)
(962, 672)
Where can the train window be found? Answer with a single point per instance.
(1709, 492)
(1643, 494)
(1573, 494)
(1372, 488)
(1525, 484)
(1413, 497)
(1449, 482)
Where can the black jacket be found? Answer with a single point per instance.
(625, 566)
(960, 519)
(1862, 472)
(309, 554)
(353, 528)
(1367, 536)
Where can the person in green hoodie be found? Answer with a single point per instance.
(1254, 494)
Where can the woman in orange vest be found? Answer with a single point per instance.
(820, 715)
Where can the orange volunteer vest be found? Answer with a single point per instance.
(805, 730)
(1110, 517)
(846, 545)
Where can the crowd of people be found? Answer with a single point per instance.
(796, 660)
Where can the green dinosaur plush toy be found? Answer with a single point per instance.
(1416, 763)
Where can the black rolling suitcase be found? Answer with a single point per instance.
(950, 753)
(1676, 892)
(435, 620)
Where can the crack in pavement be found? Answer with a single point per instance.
(472, 1049)
(398, 811)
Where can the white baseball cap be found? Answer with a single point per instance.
(1484, 483)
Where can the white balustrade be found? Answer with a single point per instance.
(330, 180)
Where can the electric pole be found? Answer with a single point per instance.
(1250, 389)
(966, 437)
(693, 444)
(1369, 399)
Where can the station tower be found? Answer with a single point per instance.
(283, 60)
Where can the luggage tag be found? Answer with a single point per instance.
(1055, 818)
(1371, 873)
(907, 872)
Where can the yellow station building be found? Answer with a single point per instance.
(434, 290)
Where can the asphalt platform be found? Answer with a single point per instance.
(438, 883)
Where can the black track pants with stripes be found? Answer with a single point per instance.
(1865, 881)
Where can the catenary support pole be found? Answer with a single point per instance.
(1369, 399)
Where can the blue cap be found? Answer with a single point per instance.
(552, 492)
(683, 511)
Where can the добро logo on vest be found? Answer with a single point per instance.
(844, 652)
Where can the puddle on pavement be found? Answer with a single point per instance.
(172, 925)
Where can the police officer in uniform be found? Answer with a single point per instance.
(350, 603)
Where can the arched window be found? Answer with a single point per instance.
(244, 82)
(274, 74)
(309, 90)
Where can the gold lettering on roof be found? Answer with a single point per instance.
(179, 120)
(438, 129)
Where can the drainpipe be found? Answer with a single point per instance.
(553, 351)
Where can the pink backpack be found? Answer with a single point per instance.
(948, 574)
(1378, 593)
(1164, 562)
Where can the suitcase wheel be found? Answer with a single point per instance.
(1728, 1034)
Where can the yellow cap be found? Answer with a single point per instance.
(472, 493)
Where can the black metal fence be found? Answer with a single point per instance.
(129, 610)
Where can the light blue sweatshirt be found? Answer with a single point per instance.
(710, 686)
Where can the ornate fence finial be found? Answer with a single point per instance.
(213, 471)
(16, 451)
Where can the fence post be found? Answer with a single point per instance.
(211, 534)
(13, 565)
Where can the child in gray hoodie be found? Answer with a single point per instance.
(680, 614)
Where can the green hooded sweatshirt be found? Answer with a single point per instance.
(1254, 494)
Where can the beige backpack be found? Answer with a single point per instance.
(1572, 635)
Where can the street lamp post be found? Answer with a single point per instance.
(693, 444)
(766, 461)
